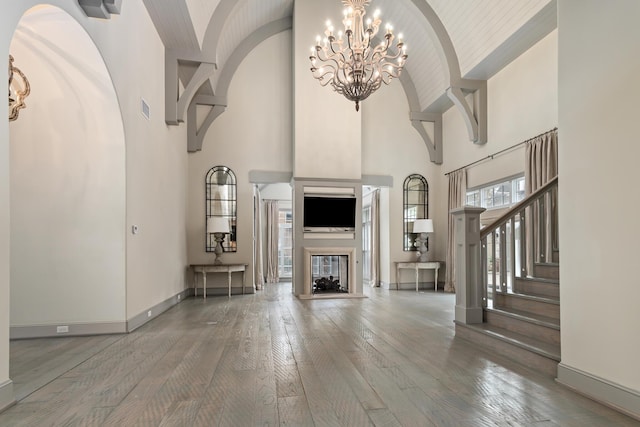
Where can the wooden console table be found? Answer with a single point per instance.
(216, 268)
(417, 266)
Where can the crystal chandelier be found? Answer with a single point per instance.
(350, 62)
(19, 89)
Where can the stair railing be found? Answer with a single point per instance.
(525, 235)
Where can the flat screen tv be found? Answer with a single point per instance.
(329, 214)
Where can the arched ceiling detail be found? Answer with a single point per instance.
(453, 46)
(477, 28)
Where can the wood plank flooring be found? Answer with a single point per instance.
(270, 359)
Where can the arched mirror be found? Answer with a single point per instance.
(415, 206)
(221, 203)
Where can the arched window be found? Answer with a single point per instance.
(415, 206)
(221, 202)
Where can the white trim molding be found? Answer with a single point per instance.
(72, 330)
(151, 313)
(102, 9)
(618, 397)
(7, 397)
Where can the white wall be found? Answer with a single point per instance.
(598, 154)
(155, 158)
(279, 191)
(254, 133)
(67, 180)
(327, 127)
(392, 147)
(522, 103)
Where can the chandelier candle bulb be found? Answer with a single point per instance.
(357, 68)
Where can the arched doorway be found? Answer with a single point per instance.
(67, 185)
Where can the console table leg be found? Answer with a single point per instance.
(397, 278)
(204, 285)
(229, 284)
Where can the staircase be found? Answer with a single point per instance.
(521, 309)
(523, 325)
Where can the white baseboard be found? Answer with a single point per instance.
(151, 313)
(406, 286)
(6, 395)
(73, 330)
(610, 394)
(83, 329)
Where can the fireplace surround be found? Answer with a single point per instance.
(346, 273)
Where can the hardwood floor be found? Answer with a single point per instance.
(270, 359)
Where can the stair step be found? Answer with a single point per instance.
(537, 286)
(543, 328)
(530, 352)
(544, 306)
(548, 270)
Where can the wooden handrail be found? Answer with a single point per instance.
(523, 204)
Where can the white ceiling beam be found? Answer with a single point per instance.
(101, 9)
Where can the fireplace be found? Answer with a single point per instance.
(329, 272)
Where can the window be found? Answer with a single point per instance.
(498, 195)
(415, 206)
(285, 243)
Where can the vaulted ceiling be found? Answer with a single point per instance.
(454, 46)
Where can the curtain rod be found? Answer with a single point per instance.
(491, 156)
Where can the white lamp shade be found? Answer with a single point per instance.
(423, 226)
(217, 224)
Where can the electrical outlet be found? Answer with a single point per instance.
(179, 297)
(149, 313)
(62, 329)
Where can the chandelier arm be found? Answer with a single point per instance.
(330, 58)
(338, 43)
(327, 56)
(333, 67)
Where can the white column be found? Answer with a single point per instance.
(468, 264)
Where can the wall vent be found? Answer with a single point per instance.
(146, 110)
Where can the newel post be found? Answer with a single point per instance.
(468, 279)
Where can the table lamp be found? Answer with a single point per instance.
(422, 227)
(218, 226)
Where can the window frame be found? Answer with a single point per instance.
(413, 211)
(479, 193)
(227, 206)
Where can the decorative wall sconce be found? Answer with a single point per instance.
(19, 89)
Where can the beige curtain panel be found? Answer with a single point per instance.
(457, 194)
(541, 161)
(374, 274)
(541, 165)
(272, 241)
(257, 226)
